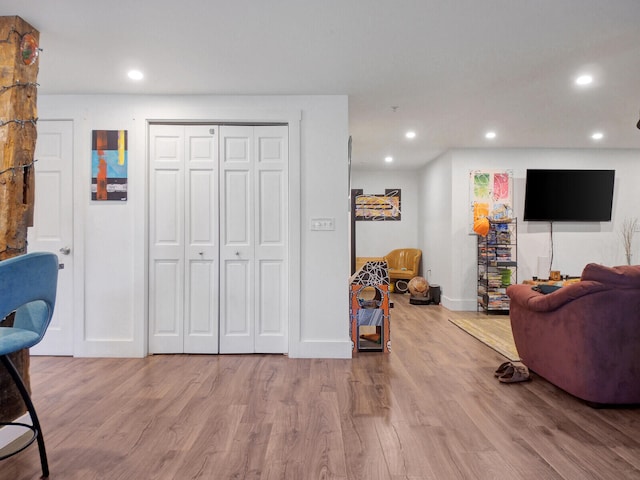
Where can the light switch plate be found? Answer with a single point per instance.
(323, 224)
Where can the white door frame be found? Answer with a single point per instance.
(292, 118)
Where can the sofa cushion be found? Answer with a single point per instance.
(624, 276)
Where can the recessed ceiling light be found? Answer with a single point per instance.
(388, 159)
(597, 136)
(490, 135)
(135, 75)
(584, 80)
(410, 134)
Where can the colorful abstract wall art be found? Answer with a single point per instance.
(109, 158)
(491, 195)
(377, 207)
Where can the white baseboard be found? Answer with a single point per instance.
(321, 349)
(459, 305)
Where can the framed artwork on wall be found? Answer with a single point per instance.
(490, 196)
(109, 159)
(377, 207)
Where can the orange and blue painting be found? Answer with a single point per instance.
(109, 159)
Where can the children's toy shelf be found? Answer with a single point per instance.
(497, 266)
(369, 327)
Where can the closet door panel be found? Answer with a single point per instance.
(202, 219)
(253, 251)
(166, 239)
(271, 222)
(271, 299)
(202, 307)
(183, 233)
(236, 316)
(237, 211)
(271, 167)
(237, 249)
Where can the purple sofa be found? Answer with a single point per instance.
(584, 337)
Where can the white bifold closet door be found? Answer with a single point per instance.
(183, 239)
(253, 239)
(218, 230)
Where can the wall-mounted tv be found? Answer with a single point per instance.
(568, 195)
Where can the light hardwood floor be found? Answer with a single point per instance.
(431, 409)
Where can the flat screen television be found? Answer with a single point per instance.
(568, 195)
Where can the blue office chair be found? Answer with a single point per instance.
(28, 286)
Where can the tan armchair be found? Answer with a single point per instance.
(403, 263)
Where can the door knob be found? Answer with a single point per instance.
(65, 250)
(237, 254)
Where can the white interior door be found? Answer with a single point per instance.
(253, 241)
(183, 236)
(52, 229)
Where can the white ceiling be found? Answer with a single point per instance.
(454, 68)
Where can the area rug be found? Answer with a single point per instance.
(494, 331)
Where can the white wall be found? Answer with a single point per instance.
(376, 239)
(110, 240)
(575, 244)
(435, 220)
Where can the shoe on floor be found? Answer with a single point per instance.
(515, 374)
(502, 369)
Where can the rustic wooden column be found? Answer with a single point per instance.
(18, 116)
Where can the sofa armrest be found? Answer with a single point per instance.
(527, 297)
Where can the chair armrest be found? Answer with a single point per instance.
(416, 263)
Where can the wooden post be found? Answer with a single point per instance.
(18, 116)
